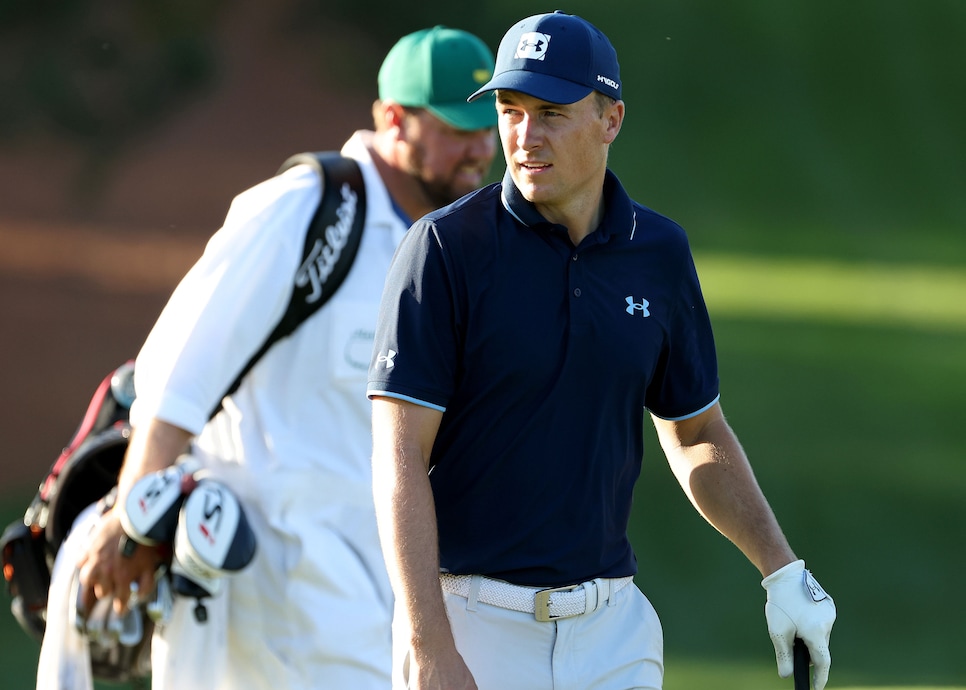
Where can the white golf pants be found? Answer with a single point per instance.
(620, 646)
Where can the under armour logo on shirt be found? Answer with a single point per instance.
(641, 306)
(387, 359)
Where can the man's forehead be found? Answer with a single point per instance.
(518, 97)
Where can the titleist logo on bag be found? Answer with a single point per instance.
(321, 261)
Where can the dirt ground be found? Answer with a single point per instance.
(82, 283)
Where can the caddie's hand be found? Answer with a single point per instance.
(797, 606)
(113, 566)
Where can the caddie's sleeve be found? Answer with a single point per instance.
(227, 303)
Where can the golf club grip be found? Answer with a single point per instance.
(801, 673)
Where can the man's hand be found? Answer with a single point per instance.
(441, 672)
(797, 606)
(106, 572)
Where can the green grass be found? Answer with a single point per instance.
(835, 291)
(687, 674)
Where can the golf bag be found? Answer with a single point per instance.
(84, 473)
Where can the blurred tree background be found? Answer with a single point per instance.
(95, 74)
(790, 114)
(822, 139)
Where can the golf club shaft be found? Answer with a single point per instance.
(802, 660)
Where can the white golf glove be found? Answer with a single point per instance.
(797, 606)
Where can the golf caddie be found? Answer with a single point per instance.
(525, 332)
(313, 609)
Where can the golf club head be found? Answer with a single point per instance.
(160, 606)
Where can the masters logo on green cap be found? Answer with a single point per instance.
(437, 69)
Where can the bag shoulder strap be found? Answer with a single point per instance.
(331, 244)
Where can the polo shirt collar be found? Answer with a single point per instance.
(618, 207)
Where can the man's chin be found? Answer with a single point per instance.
(460, 186)
(468, 183)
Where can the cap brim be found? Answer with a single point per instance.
(480, 114)
(542, 86)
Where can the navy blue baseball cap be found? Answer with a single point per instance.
(556, 57)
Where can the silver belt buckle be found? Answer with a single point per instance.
(541, 603)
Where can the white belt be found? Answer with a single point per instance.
(546, 604)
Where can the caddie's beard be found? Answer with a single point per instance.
(440, 192)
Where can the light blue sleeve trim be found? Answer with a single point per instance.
(693, 414)
(397, 396)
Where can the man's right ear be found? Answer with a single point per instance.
(393, 115)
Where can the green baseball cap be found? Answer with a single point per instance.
(437, 69)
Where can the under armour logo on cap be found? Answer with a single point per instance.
(532, 46)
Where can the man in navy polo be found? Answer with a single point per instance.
(523, 332)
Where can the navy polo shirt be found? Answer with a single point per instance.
(543, 358)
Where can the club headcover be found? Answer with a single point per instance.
(152, 507)
(213, 537)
